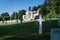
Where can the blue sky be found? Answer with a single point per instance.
(15, 5)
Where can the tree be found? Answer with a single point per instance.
(15, 16)
(0, 18)
(5, 16)
(34, 8)
(43, 9)
(47, 3)
(55, 5)
(21, 13)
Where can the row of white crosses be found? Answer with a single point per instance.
(40, 23)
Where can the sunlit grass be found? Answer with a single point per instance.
(52, 19)
(12, 23)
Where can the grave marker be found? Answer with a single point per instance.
(55, 34)
(58, 19)
(40, 23)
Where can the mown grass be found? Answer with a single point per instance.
(28, 31)
(16, 30)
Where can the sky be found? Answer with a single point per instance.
(11, 6)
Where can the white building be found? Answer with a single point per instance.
(30, 15)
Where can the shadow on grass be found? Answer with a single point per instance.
(17, 30)
(31, 37)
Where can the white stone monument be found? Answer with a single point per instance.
(40, 20)
(58, 19)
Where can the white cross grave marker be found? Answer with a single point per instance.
(40, 23)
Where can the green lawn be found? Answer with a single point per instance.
(28, 31)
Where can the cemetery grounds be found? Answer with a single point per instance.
(28, 31)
